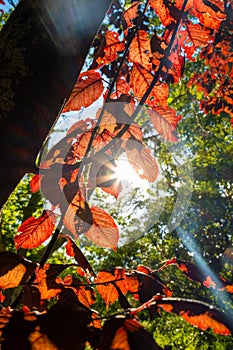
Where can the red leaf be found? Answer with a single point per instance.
(87, 89)
(126, 334)
(104, 231)
(47, 280)
(131, 13)
(198, 314)
(14, 270)
(107, 290)
(162, 11)
(113, 45)
(143, 163)
(73, 250)
(33, 231)
(140, 51)
(115, 189)
(162, 126)
(140, 81)
(166, 114)
(35, 183)
(122, 88)
(77, 216)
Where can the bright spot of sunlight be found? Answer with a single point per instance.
(126, 174)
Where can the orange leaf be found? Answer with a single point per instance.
(73, 250)
(161, 116)
(122, 88)
(14, 269)
(87, 89)
(143, 163)
(85, 294)
(113, 45)
(77, 217)
(140, 51)
(35, 183)
(140, 81)
(42, 283)
(162, 11)
(40, 341)
(120, 340)
(198, 314)
(115, 189)
(107, 290)
(131, 13)
(162, 126)
(13, 277)
(33, 231)
(2, 298)
(104, 231)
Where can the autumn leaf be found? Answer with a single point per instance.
(131, 13)
(140, 51)
(104, 231)
(35, 183)
(143, 163)
(33, 330)
(46, 280)
(198, 314)
(87, 90)
(73, 250)
(115, 189)
(40, 341)
(107, 289)
(85, 294)
(33, 232)
(113, 45)
(14, 270)
(140, 81)
(161, 117)
(162, 11)
(162, 126)
(126, 334)
(77, 216)
(122, 88)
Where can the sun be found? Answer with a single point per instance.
(126, 174)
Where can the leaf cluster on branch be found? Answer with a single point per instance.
(134, 64)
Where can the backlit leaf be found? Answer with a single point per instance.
(87, 90)
(85, 294)
(162, 126)
(46, 280)
(113, 45)
(14, 270)
(104, 231)
(131, 13)
(40, 341)
(35, 183)
(78, 216)
(140, 81)
(107, 289)
(126, 334)
(115, 189)
(162, 11)
(143, 163)
(140, 51)
(166, 113)
(199, 314)
(73, 250)
(33, 232)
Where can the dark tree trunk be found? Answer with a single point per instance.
(42, 49)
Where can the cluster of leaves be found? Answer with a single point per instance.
(135, 66)
(76, 295)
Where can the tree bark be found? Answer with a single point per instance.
(42, 50)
